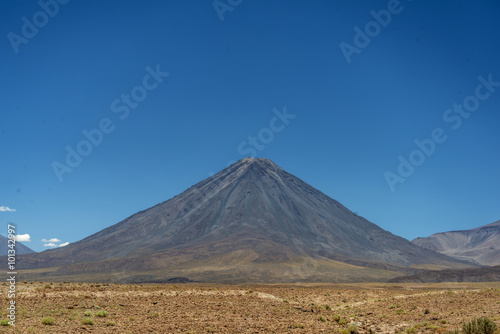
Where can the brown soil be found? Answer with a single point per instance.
(202, 308)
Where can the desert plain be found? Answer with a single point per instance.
(64, 307)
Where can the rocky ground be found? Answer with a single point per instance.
(201, 308)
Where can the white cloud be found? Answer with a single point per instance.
(53, 240)
(53, 243)
(23, 237)
(6, 208)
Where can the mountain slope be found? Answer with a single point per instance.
(252, 221)
(484, 274)
(20, 248)
(481, 244)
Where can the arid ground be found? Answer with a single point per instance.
(203, 308)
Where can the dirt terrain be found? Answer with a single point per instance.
(202, 308)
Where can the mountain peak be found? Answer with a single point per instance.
(261, 166)
(247, 159)
(20, 247)
(263, 162)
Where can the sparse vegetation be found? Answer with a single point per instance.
(103, 314)
(479, 326)
(87, 321)
(48, 321)
(4, 322)
(351, 329)
(322, 318)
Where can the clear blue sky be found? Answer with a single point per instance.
(353, 119)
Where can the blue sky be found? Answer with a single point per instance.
(176, 88)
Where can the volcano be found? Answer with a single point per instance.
(251, 222)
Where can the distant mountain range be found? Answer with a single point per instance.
(251, 222)
(20, 248)
(481, 244)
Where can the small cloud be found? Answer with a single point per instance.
(6, 208)
(54, 243)
(23, 237)
(53, 240)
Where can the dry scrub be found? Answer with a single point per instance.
(199, 308)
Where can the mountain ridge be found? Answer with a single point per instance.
(479, 244)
